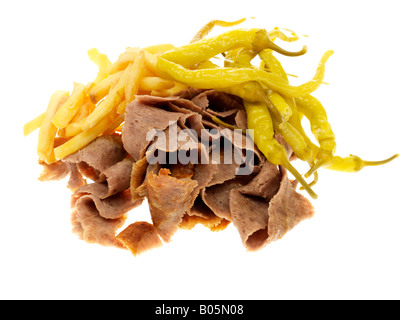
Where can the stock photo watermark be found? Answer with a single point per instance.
(207, 146)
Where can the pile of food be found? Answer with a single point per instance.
(204, 143)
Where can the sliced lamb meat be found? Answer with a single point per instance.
(91, 227)
(139, 237)
(286, 209)
(265, 184)
(118, 176)
(101, 154)
(53, 171)
(241, 119)
(203, 174)
(202, 214)
(138, 176)
(226, 169)
(117, 179)
(112, 207)
(250, 217)
(59, 170)
(171, 140)
(217, 197)
(260, 222)
(76, 179)
(181, 171)
(218, 103)
(169, 199)
(141, 121)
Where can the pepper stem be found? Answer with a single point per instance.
(280, 50)
(378, 163)
(300, 179)
(262, 41)
(226, 125)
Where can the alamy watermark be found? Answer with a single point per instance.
(175, 145)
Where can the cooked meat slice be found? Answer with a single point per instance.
(53, 171)
(140, 120)
(100, 154)
(59, 170)
(286, 209)
(91, 227)
(203, 174)
(260, 222)
(181, 171)
(118, 176)
(116, 179)
(217, 102)
(76, 179)
(241, 119)
(169, 199)
(112, 207)
(217, 197)
(226, 171)
(265, 184)
(139, 237)
(138, 175)
(202, 214)
(214, 223)
(250, 217)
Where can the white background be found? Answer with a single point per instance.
(349, 250)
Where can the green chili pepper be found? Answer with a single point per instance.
(207, 28)
(259, 120)
(354, 163)
(320, 127)
(254, 39)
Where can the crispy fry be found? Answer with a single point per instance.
(101, 89)
(102, 62)
(151, 62)
(124, 60)
(71, 130)
(84, 138)
(121, 107)
(84, 111)
(66, 113)
(34, 124)
(155, 83)
(133, 78)
(109, 103)
(48, 130)
(169, 92)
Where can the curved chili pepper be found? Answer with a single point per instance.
(259, 120)
(254, 39)
(354, 163)
(218, 78)
(320, 127)
(207, 28)
(279, 108)
(274, 66)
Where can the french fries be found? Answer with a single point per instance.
(84, 138)
(48, 130)
(98, 108)
(133, 79)
(102, 62)
(155, 83)
(66, 113)
(34, 124)
(124, 60)
(102, 88)
(110, 102)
